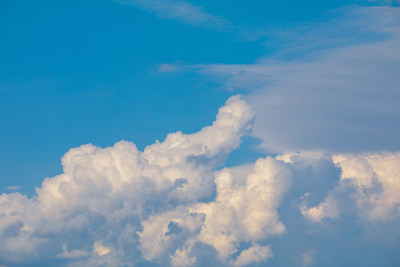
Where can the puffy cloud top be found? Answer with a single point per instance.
(372, 180)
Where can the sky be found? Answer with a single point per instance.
(199, 133)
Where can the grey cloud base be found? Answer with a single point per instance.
(171, 204)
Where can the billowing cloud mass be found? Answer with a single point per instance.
(375, 181)
(244, 210)
(171, 204)
(118, 205)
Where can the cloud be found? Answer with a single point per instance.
(167, 68)
(372, 182)
(172, 204)
(252, 207)
(334, 88)
(12, 188)
(167, 203)
(100, 249)
(240, 213)
(188, 13)
(308, 258)
(104, 197)
(73, 254)
(182, 11)
(252, 255)
(328, 208)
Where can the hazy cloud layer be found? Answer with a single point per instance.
(334, 86)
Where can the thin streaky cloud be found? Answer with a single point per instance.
(182, 11)
(12, 188)
(188, 13)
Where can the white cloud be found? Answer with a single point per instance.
(12, 188)
(372, 181)
(73, 254)
(106, 194)
(376, 178)
(167, 68)
(182, 258)
(240, 213)
(188, 13)
(248, 212)
(185, 12)
(182, 11)
(308, 258)
(100, 250)
(254, 254)
(171, 205)
(327, 209)
(155, 205)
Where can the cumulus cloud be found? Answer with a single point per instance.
(253, 255)
(110, 200)
(377, 180)
(251, 207)
(373, 182)
(327, 209)
(172, 204)
(335, 206)
(240, 213)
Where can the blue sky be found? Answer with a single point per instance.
(319, 84)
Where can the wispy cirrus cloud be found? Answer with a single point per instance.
(181, 11)
(188, 13)
(12, 188)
